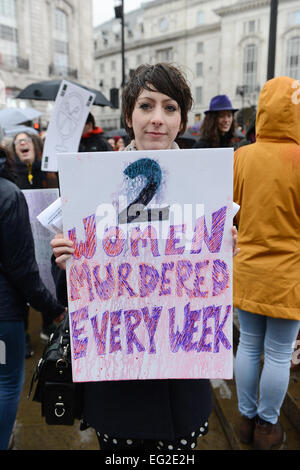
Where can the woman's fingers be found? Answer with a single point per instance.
(62, 249)
(235, 250)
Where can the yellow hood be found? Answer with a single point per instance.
(276, 119)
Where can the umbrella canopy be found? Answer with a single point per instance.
(13, 116)
(12, 131)
(121, 132)
(47, 91)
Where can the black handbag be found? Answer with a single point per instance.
(61, 399)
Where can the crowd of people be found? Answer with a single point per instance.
(173, 414)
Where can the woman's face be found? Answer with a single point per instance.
(156, 121)
(24, 148)
(224, 121)
(120, 144)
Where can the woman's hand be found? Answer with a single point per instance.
(62, 249)
(235, 250)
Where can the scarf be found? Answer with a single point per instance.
(132, 146)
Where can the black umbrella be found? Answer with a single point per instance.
(47, 91)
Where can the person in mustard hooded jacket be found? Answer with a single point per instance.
(266, 274)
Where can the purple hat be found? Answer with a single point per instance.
(220, 103)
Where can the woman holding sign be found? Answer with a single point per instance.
(147, 414)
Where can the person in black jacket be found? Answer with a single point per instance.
(92, 139)
(27, 152)
(147, 414)
(20, 285)
(218, 128)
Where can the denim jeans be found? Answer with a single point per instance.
(12, 359)
(263, 394)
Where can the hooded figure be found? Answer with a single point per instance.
(266, 274)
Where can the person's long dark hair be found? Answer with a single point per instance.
(6, 165)
(210, 133)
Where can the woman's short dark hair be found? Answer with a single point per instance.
(166, 79)
(37, 144)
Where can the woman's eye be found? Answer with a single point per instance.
(144, 106)
(171, 108)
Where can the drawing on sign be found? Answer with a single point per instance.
(68, 117)
(150, 178)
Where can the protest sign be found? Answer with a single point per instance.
(149, 284)
(68, 118)
(37, 200)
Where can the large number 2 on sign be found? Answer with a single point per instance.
(136, 211)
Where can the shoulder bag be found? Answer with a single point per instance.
(61, 399)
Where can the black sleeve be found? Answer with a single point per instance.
(17, 256)
(60, 281)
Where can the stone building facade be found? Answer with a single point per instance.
(221, 45)
(44, 40)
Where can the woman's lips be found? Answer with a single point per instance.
(155, 134)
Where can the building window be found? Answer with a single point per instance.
(250, 67)
(60, 42)
(199, 95)
(200, 48)
(293, 57)
(60, 21)
(61, 47)
(8, 34)
(163, 24)
(199, 69)
(296, 17)
(164, 55)
(113, 65)
(251, 26)
(8, 8)
(139, 59)
(9, 49)
(200, 17)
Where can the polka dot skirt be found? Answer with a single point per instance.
(184, 443)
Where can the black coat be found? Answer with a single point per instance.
(20, 282)
(21, 171)
(225, 141)
(143, 409)
(94, 142)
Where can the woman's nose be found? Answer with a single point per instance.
(157, 116)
